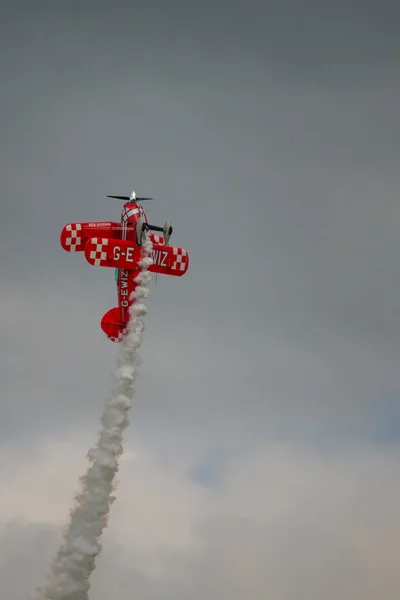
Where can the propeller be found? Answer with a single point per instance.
(132, 197)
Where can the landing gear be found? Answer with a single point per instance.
(141, 231)
(167, 231)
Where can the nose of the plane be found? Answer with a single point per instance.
(130, 211)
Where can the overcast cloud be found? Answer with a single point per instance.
(264, 440)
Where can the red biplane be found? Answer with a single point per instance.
(119, 245)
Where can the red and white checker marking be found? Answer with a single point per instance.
(179, 259)
(156, 239)
(121, 334)
(73, 237)
(98, 255)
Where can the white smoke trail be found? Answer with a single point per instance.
(75, 560)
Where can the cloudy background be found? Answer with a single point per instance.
(263, 454)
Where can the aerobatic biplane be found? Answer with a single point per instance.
(119, 245)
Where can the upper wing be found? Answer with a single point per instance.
(75, 235)
(156, 239)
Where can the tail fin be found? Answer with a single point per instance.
(113, 326)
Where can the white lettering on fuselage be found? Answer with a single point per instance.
(159, 257)
(123, 280)
(99, 224)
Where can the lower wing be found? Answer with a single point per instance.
(122, 254)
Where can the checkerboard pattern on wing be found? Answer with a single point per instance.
(180, 260)
(72, 238)
(98, 251)
(156, 239)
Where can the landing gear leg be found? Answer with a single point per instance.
(141, 231)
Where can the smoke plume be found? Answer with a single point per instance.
(76, 557)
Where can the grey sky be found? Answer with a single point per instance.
(268, 132)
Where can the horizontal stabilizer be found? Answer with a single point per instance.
(113, 326)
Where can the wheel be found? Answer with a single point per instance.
(167, 232)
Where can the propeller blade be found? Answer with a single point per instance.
(129, 198)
